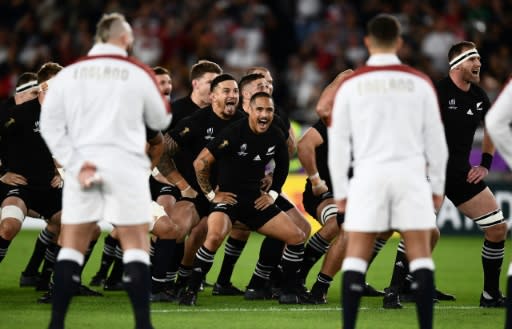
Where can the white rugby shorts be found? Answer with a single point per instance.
(123, 197)
(389, 199)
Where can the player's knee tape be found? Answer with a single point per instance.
(329, 211)
(12, 212)
(493, 218)
(157, 211)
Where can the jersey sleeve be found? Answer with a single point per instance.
(436, 149)
(498, 122)
(339, 144)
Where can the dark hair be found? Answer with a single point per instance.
(246, 79)
(459, 48)
(202, 67)
(219, 79)
(26, 77)
(260, 94)
(158, 70)
(48, 71)
(385, 29)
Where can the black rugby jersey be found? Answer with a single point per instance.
(181, 109)
(241, 156)
(192, 134)
(462, 112)
(26, 152)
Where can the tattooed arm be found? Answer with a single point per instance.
(168, 169)
(202, 165)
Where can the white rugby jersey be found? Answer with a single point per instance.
(386, 113)
(498, 121)
(99, 104)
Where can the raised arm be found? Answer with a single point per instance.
(326, 100)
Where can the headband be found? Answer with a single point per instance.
(26, 86)
(463, 57)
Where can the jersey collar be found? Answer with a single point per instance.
(383, 59)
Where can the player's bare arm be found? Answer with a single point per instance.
(326, 100)
(202, 166)
(477, 173)
(306, 151)
(155, 149)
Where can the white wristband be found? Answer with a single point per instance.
(210, 196)
(273, 194)
(315, 175)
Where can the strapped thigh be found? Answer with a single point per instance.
(493, 218)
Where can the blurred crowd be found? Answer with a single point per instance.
(305, 43)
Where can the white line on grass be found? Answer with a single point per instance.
(294, 309)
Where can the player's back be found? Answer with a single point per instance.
(106, 101)
(387, 110)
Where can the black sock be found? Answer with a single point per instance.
(48, 265)
(138, 284)
(377, 247)
(67, 279)
(423, 288)
(492, 259)
(508, 318)
(184, 273)
(232, 251)
(293, 256)
(400, 269)
(352, 290)
(42, 242)
(117, 268)
(271, 251)
(321, 285)
(4, 245)
(164, 250)
(202, 264)
(315, 249)
(108, 256)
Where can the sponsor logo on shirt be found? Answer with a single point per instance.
(242, 152)
(469, 112)
(479, 106)
(209, 134)
(451, 104)
(36, 127)
(271, 150)
(257, 158)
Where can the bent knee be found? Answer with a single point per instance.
(496, 233)
(9, 228)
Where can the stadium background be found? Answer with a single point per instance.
(305, 43)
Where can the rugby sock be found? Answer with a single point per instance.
(184, 272)
(117, 269)
(164, 250)
(377, 247)
(508, 301)
(271, 251)
(137, 283)
(202, 264)
(422, 270)
(4, 245)
(492, 259)
(232, 251)
(322, 284)
(400, 269)
(108, 256)
(67, 280)
(352, 286)
(293, 256)
(42, 242)
(317, 246)
(48, 266)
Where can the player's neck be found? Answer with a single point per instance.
(196, 99)
(459, 82)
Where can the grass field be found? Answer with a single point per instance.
(458, 272)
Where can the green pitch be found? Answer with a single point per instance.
(458, 271)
